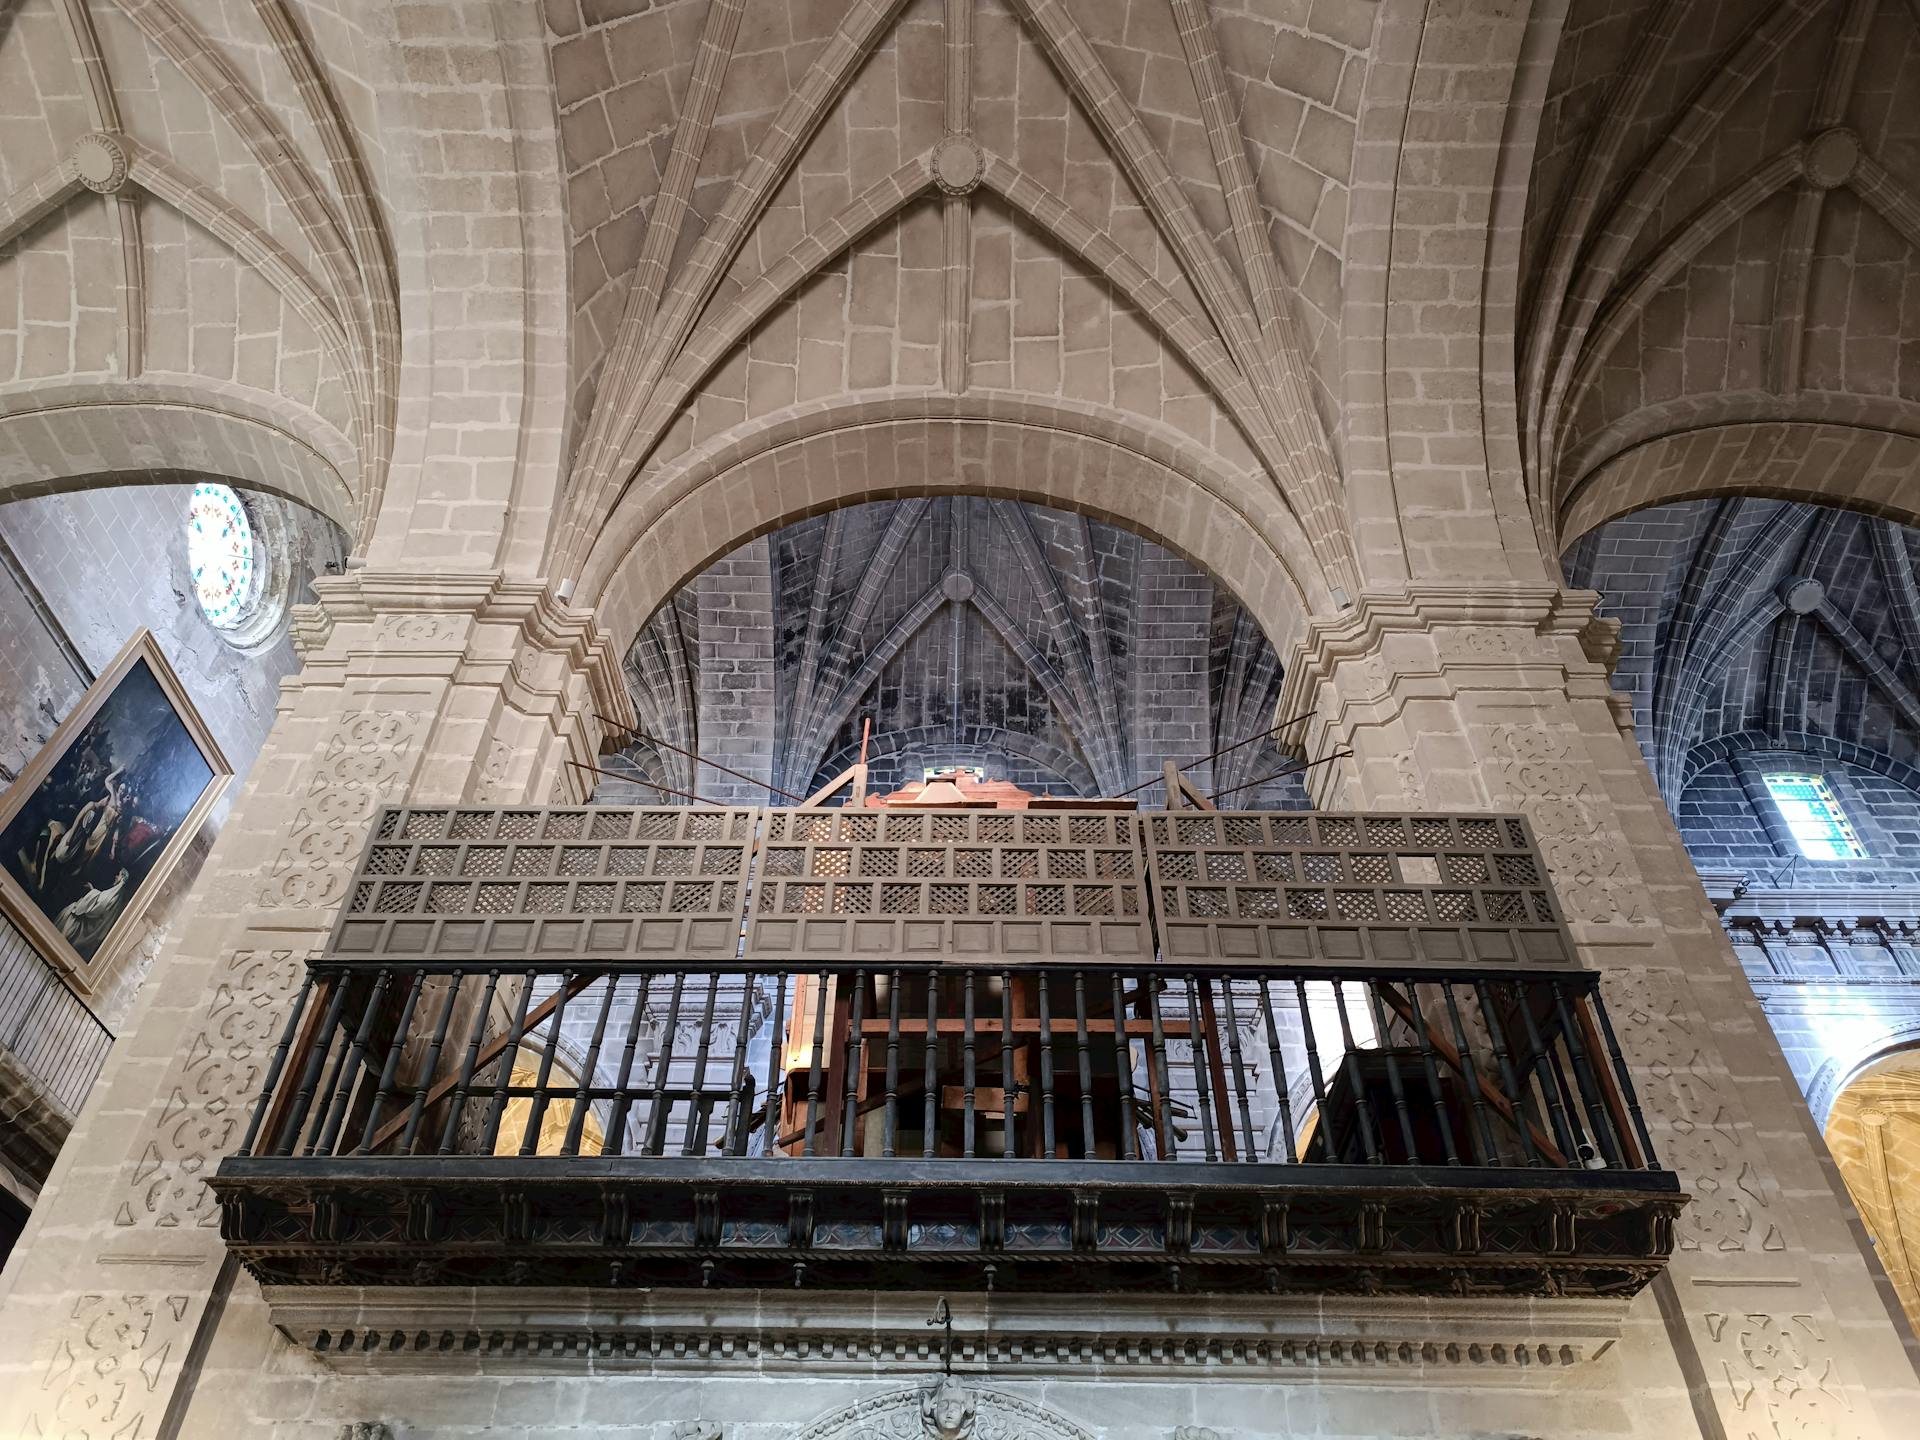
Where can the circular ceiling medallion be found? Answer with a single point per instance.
(1830, 157)
(1802, 596)
(100, 162)
(957, 585)
(958, 164)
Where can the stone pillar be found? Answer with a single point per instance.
(455, 688)
(1172, 635)
(1497, 697)
(736, 678)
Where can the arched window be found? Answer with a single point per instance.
(1820, 827)
(236, 549)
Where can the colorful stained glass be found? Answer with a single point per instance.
(220, 553)
(1820, 827)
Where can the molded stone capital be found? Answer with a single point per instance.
(1443, 633)
(444, 622)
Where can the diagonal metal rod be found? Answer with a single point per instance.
(765, 785)
(1273, 734)
(1283, 772)
(650, 784)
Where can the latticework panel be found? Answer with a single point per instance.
(1412, 890)
(604, 883)
(974, 885)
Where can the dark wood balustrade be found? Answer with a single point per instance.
(445, 1107)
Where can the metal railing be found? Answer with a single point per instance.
(1262, 1066)
(49, 1031)
(1043, 1051)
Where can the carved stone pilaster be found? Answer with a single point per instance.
(413, 686)
(1500, 695)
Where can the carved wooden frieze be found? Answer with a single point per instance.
(1413, 891)
(753, 1223)
(968, 885)
(608, 883)
(980, 886)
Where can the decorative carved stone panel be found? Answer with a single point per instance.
(576, 884)
(949, 1410)
(1418, 891)
(965, 885)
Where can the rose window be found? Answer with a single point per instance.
(221, 554)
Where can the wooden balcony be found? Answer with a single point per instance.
(1418, 1117)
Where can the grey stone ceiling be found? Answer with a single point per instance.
(1759, 635)
(1062, 653)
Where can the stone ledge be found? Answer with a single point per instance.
(475, 1331)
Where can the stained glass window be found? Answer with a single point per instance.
(1820, 827)
(220, 553)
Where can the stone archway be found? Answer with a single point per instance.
(1851, 466)
(90, 436)
(1874, 1134)
(949, 1409)
(1225, 523)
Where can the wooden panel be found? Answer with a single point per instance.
(643, 883)
(979, 886)
(1305, 888)
(673, 883)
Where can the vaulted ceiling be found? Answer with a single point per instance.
(1874, 1134)
(1722, 259)
(649, 250)
(193, 266)
(1134, 212)
(1760, 624)
(1064, 653)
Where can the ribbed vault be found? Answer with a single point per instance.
(1762, 625)
(1135, 214)
(1722, 258)
(1067, 654)
(195, 275)
(1874, 1134)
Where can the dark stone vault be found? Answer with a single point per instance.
(1062, 653)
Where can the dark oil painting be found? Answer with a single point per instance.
(91, 833)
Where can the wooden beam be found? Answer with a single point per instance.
(1609, 1087)
(488, 1053)
(1180, 793)
(854, 775)
(297, 1053)
(1028, 1025)
(1491, 1093)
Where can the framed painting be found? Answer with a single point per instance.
(95, 824)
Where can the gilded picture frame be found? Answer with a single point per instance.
(97, 822)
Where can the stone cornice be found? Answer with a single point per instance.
(1360, 631)
(1838, 902)
(450, 1330)
(488, 597)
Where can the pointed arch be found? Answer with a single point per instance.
(128, 432)
(815, 458)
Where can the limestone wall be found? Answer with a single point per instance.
(79, 574)
(609, 290)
